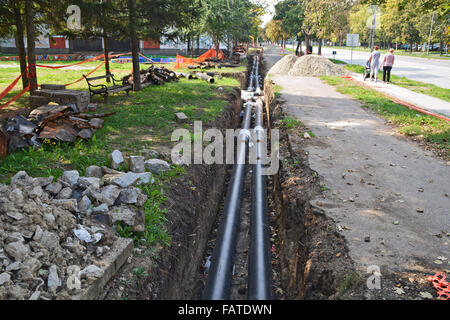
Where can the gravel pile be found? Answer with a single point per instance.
(284, 65)
(53, 234)
(315, 66)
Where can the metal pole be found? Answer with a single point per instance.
(260, 267)
(219, 278)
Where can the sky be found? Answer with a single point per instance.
(271, 11)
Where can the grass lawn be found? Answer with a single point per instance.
(421, 87)
(146, 119)
(410, 122)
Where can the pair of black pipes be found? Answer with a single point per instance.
(218, 284)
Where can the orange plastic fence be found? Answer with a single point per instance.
(183, 62)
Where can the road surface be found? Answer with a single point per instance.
(433, 71)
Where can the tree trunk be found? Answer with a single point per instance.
(410, 47)
(198, 45)
(106, 52)
(320, 48)
(20, 44)
(307, 42)
(298, 46)
(134, 42)
(29, 14)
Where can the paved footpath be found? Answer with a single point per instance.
(389, 197)
(423, 101)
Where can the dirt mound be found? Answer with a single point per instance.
(315, 66)
(284, 65)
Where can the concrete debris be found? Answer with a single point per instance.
(116, 159)
(157, 166)
(136, 164)
(54, 233)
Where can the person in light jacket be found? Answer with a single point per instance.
(374, 63)
(388, 62)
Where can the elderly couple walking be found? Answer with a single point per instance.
(387, 63)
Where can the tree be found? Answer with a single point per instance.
(291, 15)
(31, 38)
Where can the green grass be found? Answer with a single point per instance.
(349, 282)
(290, 123)
(410, 122)
(417, 86)
(146, 119)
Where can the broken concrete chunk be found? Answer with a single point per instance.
(157, 166)
(123, 180)
(129, 195)
(71, 177)
(92, 271)
(86, 134)
(124, 214)
(15, 215)
(21, 179)
(54, 188)
(116, 159)
(89, 182)
(145, 178)
(44, 181)
(136, 164)
(110, 194)
(94, 171)
(181, 117)
(67, 204)
(84, 204)
(97, 123)
(16, 196)
(53, 280)
(103, 208)
(65, 193)
(4, 278)
(36, 192)
(17, 250)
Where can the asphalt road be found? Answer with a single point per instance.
(433, 71)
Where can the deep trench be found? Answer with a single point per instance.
(305, 244)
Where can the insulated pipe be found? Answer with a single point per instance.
(185, 75)
(204, 77)
(260, 266)
(220, 272)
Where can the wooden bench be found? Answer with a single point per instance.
(104, 90)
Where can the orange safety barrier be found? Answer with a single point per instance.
(183, 62)
(441, 285)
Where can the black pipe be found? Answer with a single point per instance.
(259, 267)
(220, 272)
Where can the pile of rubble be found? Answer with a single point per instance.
(152, 75)
(55, 122)
(54, 234)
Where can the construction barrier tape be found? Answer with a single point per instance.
(91, 72)
(441, 285)
(30, 73)
(16, 97)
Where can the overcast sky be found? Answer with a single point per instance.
(268, 16)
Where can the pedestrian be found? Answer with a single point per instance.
(388, 62)
(374, 63)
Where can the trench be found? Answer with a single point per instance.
(309, 256)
